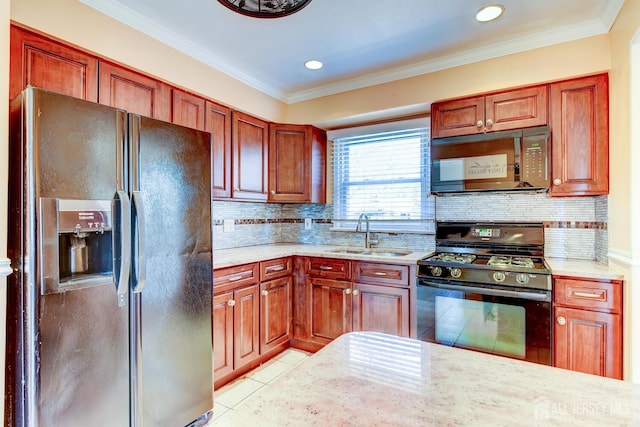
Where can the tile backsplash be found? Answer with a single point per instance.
(574, 227)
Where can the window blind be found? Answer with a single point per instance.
(385, 176)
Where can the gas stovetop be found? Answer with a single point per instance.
(497, 254)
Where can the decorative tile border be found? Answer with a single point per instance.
(588, 225)
(259, 221)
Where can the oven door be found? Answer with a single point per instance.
(509, 322)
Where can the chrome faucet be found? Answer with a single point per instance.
(367, 238)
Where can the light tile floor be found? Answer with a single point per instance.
(232, 394)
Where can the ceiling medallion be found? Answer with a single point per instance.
(265, 8)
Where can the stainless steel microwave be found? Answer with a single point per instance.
(497, 161)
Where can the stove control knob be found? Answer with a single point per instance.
(522, 278)
(499, 276)
(456, 272)
(436, 271)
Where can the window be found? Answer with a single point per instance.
(384, 175)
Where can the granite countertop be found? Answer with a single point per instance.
(372, 379)
(244, 255)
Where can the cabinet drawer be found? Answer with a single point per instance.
(384, 274)
(328, 267)
(588, 294)
(275, 268)
(232, 277)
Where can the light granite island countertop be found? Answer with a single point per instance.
(373, 379)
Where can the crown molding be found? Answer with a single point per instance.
(164, 35)
(135, 20)
(515, 45)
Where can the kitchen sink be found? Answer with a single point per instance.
(371, 251)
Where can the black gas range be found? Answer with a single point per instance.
(500, 254)
(487, 288)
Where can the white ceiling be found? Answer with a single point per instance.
(361, 42)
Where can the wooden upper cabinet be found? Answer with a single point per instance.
(187, 109)
(289, 163)
(218, 122)
(134, 92)
(250, 153)
(41, 62)
(297, 163)
(580, 136)
(506, 110)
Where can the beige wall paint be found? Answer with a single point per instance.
(579, 57)
(81, 25)
(76, 23)
(624, 200)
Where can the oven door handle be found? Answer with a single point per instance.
(544, 297)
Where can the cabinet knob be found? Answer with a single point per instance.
(356, 292)
(561, 320)
(231, 303)
(264, 293)
(489, 123)
(480, 123)
(236, 189)
(347, 291)
(557, 181)
(273, 192)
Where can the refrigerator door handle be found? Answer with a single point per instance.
(122, 279)
(141, 273)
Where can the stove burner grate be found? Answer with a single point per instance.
(514, 261)
(454, 257)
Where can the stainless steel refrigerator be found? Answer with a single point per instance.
(109, 306)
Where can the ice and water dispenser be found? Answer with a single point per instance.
(77, 244)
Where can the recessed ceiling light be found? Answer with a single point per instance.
(489, 13)
(313, 64)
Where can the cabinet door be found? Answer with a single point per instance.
(516, 109)
(580, 136)
(381, 309)
(133, 92)
(218, 122)
(588, 341)
(289, 163)
(329, 309)
(250, 137)
(222, 334)
(275, 313)
(187, 109)
(457, 117)
(246, 325)
(47, 64)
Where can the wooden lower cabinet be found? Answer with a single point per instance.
(588, 341)
(235, 329)
(328, 303)
(275, 313)
(588, 326)
(381, 309)
(330, 309)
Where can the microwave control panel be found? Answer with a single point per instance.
(534, 159)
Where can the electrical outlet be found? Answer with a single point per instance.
(308, 223)
(228, 225)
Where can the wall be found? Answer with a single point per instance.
(624, 200)
(574, 227)
(585, 56)
(76, 23)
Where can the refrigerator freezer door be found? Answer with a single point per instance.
(70, 367)
(174, 308)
